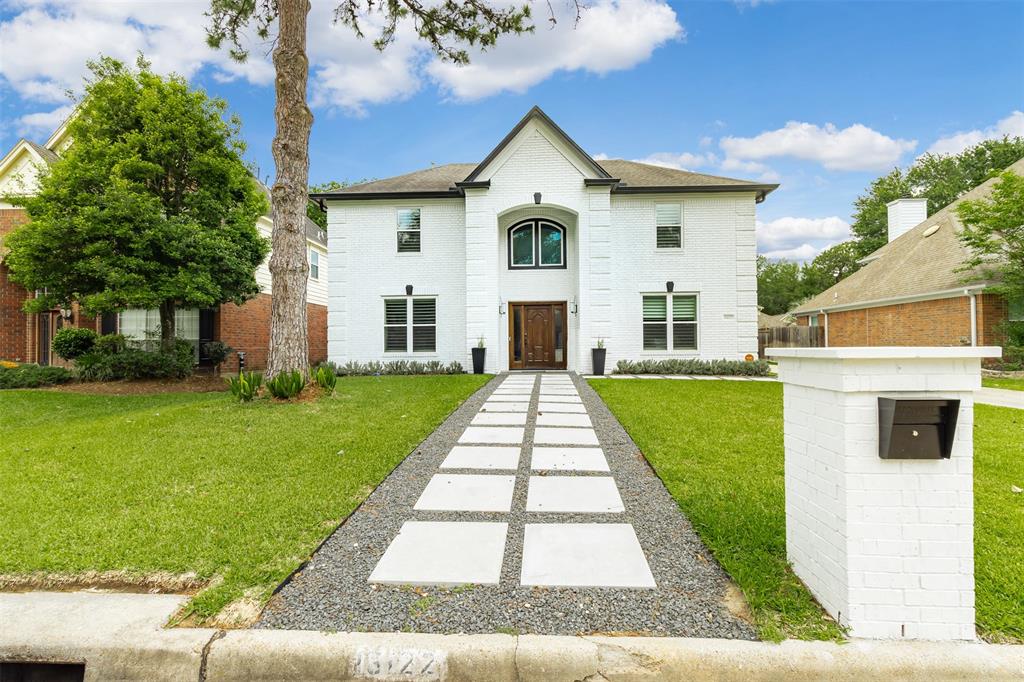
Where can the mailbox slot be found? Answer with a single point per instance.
(916, 429)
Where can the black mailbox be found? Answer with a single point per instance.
(916, 429)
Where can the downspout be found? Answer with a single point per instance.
(823, 312)
(974, 316)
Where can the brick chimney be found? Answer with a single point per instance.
(905, 214)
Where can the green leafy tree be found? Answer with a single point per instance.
(779, 286)
(150, 207)
(994, 231)
(449, 27)
(313, 210)
(829, 267)
(939, 178)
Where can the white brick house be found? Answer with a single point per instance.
(541, 251)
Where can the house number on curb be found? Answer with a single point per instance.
(399, 665)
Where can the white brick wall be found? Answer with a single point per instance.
(612, 261)
(886, 546)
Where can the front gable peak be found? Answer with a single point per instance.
(535, 121)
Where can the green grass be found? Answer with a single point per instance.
(718, 447)
(1003, 382)
(195, 482)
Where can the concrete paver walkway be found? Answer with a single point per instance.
(554, 554)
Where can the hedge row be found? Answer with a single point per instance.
(756, 368)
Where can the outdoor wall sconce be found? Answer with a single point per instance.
(573, 308)
(408, 290)
(669, 286)
(536, 197)
(501, 308)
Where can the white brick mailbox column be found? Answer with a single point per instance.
(886, 545)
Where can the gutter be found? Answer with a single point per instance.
(879, 302)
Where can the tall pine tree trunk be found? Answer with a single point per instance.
(167, 330)
(289, 343)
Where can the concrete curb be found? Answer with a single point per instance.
(119, 636)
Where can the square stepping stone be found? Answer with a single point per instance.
(467, 492)
(560, 407)
(482, 457)
(573, 494)
(492, 434)
(558, 435)
(505, 407)
(549, 398)
(584, 555)
(510, 397)
(568, 459)
(443, 553)
(499, 419)
(557, 419)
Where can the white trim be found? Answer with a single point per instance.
(886, 352)
(882, 302)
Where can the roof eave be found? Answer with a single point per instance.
(761, 190)
(892, 300)
(420, 194)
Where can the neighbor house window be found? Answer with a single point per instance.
(669, 220)
(314, 264)
(408, 230)
(142, 327)
(536, 244)
(410, 323)
(670, 321)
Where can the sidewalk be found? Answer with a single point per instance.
(1001, 397)
(119, 636)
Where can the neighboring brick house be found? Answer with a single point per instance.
(913, 291)
(542, 251)
(26, 337)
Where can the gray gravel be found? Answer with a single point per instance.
(332, 592)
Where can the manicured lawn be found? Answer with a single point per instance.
(1009, 383)
(718, 447)
(184, 482)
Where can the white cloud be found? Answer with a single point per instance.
(346, 72)
(43, 122)
(854, 148)
(789, 233)
(752, 169)
(612, 35)
(1012, 125)
(679, 160)
(804, 252)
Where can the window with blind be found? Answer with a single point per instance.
(410, 323)
(669, 225)
(670, 321)
(408, 230)
(314, 264)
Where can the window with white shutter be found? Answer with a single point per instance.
(670, 321)
(669, 225)
(410, 323)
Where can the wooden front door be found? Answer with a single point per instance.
(537, 335)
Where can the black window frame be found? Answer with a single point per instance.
(536, 224)
(418, 231)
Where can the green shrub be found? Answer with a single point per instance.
(72, 342)
(111, 343)
(330, 367)
(217, 352)
(245, 386)
(132, 363)
(32, 376)
(454, 367)
(286, 385)
(352, 368)
(325, 379)
(693, 366)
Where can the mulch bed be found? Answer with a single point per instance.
(199, 383)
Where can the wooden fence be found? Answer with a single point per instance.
(789, 337)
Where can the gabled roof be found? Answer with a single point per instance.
(624, 177)
(537, 113)
(912, 265)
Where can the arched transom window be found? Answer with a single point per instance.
(536, 243)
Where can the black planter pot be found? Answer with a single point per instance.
(478, 360)
(598, 355)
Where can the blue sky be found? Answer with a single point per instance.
(818, 96)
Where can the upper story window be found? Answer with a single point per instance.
(669, 220)
(536, 243)
(314, 264)
(408, 230)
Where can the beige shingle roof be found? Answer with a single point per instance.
(912, 264)
(631, 174)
